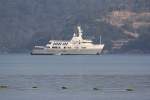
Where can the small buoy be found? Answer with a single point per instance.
(3, 86)
(64, 87)
(129, 89)
(34, 87)
(95, 89)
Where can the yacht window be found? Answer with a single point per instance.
(54, 47)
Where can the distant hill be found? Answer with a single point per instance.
(25, 23)
(136, 26)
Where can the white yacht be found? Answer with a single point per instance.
(76, 46)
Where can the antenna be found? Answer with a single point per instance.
(100, 39)
(79, 30)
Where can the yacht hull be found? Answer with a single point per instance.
(66, 52)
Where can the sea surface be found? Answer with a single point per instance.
(88, 77)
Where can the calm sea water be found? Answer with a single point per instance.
(105, 77)
(72, 65)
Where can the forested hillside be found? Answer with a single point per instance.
(25, 23)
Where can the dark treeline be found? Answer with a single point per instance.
(24, 23)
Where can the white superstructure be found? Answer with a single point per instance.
(77, 45)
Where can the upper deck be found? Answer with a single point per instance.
(76, 42)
